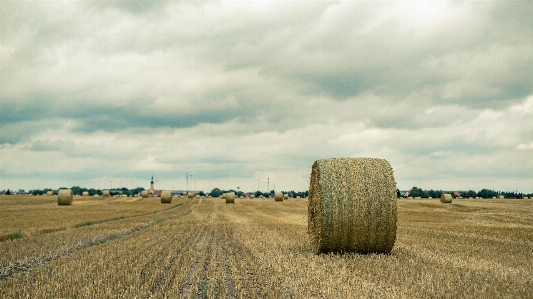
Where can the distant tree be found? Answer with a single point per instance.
(434, 193)
(8, 192)
(470, 193)
(415, 192)
(201, 193)
(486, 193)
(258, 193)
(215, 192)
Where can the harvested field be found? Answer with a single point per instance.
(203, 248)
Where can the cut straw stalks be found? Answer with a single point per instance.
(352, 206)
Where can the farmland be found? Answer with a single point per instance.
(256, 248)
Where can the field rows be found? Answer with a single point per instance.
(204, 248)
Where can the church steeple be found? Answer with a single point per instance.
(152, 185)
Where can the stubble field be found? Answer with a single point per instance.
(256, 248)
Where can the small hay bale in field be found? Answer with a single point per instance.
(352, 206)
(298, 196)
(285, 196)
(500, 197)
(190, 195)
(446, 198)
(230, 197)
(494, 197)
(417, 197)
(105, 193)
(85, 193)
(430, 197)
(278, 196)
(166, 196)
(50, 193)
(241, 196)
(145, 194)
(252, 195)
(64, 197)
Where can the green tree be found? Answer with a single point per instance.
(486, 193)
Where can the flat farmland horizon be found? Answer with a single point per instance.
(256, 248)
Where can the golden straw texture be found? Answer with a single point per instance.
(166, 196)
(230, 197)
(446, 198)
(64, 197)
(352, 206)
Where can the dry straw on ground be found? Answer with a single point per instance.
(230, 197)
(352, 206)
(64, 197)
(144, 194)
(85, 193)
(166, 196)
(446, 198)
(190, 195)
(278, 196)
(105, 193)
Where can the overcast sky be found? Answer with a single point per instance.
(93, 91)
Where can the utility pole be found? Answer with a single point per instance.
(110, 184)
(258, 182)
(268, 185)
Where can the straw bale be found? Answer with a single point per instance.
(417, 197)
(230, 197)
(500, 197)
(285, 196)
(145, 194)
(190, 195)
(85, 193)
(446, 198)
(105, 193)
(278, 196)
(50, 193)
(352, 206)
(166, 196)
(64, 197)
(252, 195)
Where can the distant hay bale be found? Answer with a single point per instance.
(352, 206)
(501, 197)
(190, 195)
(64, 197)
(197, 196)
(85, 193)
(298, 196)
(145, 194)
(285, 196)
(252, 195)
(166, 196)
(230, 197)
(278, 196)
(50, 193)
(494, 197)
(446, 198)
(241, 196)
(430, 197)
(417, 197)
(105, 193)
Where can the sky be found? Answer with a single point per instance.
(105, 94)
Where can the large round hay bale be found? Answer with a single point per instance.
(278, 196)
(85, 193)
(252, 196)
(352, 206)
(105, 193)
(145, 194)
(49, 193)
(285, 196)
(446, 198)
(190, 195)
(230, 197)
(64, 197)
(166, 196)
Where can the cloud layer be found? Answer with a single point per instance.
(232, 90)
